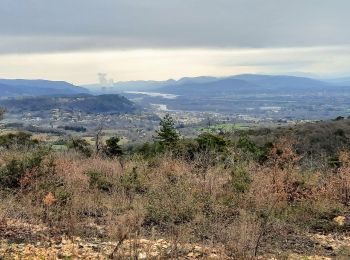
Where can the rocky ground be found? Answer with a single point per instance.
(19, 240)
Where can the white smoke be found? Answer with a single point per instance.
(104, 81)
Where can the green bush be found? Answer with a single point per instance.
(97, 180)
(133, 182)
(149, 149)
(208, 141)
(334, 161)
(12, 172)
(63, 197)
(340, 132)
(317, 215)
(20, 140)
(248, 147)
(80, 145)
(112, 147)
(171, 203)
(241, 180)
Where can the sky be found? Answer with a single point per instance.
(74, 40)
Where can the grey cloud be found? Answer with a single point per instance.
(268, 63)
(51, 25)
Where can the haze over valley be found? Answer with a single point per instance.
(247, 99)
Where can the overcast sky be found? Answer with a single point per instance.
(74, 40)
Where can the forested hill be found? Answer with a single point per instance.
(85, 103)
(322, 138)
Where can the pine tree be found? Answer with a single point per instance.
(167, 134)
(112, 147)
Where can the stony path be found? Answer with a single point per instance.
(75, 248)
(20, 240)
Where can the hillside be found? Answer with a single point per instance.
(23, 87)
(85, 103)
(207, 197)
(316, 139)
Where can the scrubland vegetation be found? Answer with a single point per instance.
(237, 192)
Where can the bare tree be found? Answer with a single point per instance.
(2, 112)
(98, 141)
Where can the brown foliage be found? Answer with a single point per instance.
(238, 206)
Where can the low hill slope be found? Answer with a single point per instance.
(322, 138)
(85, 103)
(23, 87)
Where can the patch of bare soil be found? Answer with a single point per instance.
(20, 240)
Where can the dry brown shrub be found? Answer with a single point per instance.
(192, 201)
(283, 154)
(73, 169)
(338, 184)
(49, 200)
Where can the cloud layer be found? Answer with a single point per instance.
(82, 67)
(158, 39)
(66, 25)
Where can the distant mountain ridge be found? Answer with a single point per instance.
(340, 81)
(248, 83)
(228, 83)
(218, 87)
(118, 87)
(144, 85)
(24, 87)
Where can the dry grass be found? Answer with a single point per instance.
(238, 207)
